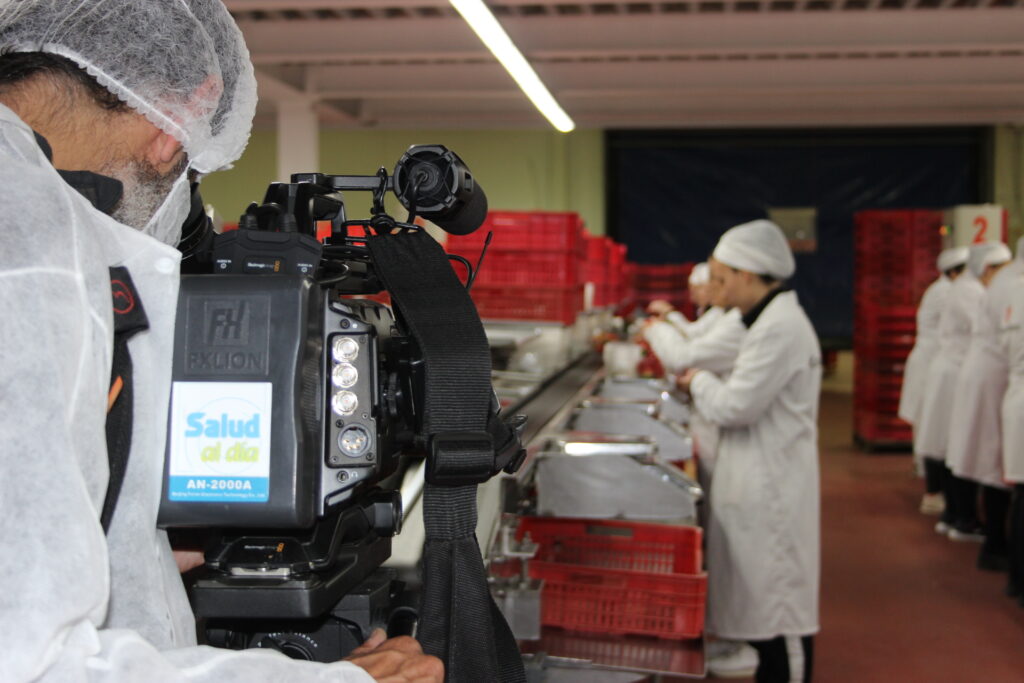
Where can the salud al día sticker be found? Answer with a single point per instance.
(220, 442)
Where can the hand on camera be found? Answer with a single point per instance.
(396, 660)
(188, 559)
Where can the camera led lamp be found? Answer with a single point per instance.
(345, 349)
(344, 403)
(344, 375)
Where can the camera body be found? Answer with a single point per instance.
(293, 399)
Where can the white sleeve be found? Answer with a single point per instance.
(55, 572)
(680, 322)
(715, 350)
(668, 345)
(761, 372)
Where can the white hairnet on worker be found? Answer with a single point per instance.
(181, 63)
(758, 247)
(700, 275)
(984, 255)
(951, 258)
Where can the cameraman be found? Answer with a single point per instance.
(106, 106)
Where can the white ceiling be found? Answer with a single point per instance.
(705, 63)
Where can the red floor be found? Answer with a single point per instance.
(898, 602)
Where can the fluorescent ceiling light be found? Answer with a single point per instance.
(483, 23)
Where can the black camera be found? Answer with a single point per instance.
(294, 398)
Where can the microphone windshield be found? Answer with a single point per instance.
(436, 184)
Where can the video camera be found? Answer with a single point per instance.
(293, 399)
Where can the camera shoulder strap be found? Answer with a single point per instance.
(129, 319)
(459, 621)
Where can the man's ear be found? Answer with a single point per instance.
(163, 150)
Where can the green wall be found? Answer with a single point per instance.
(519, 170)
(1008, 176)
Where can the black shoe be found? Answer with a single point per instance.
(993, 562)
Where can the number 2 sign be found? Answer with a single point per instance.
(981, 224)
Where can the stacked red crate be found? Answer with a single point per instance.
(532, 267)
(895, 254)
(668, 282)
(617, 274)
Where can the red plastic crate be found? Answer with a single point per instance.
(557, 304)
(525, 230)
(619, 577)
(877, 427)
(501, 267)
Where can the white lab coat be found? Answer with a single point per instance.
(714, 349)
(975, 443)
(931, 433)
(926, 344)
(763, 531)
(1012, 343)
(691, 329)
(78, 605)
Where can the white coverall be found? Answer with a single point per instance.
(926, 344)
(1012, 342)
(975, 431)
(714, 349)
(78, 605)
(691, 329)
(763, 532)
(931, 432)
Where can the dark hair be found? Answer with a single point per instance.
(766, 279)
(955, 270)
(17, 67)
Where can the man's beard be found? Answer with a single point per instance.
(145, 190)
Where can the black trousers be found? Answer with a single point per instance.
(996, 503)
(784, 659)
(1016, 540)
(935, 473)
(961, 501)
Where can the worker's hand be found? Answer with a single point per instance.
(660, 307)
(188, 559)
(396, 660)
(684, 380)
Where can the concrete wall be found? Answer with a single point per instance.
(519, 170)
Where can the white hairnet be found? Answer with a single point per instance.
(700, 275)
(987, 254)
(181, 63)
(758, 247)
(951, 258)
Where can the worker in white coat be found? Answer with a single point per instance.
(950, 264)
(959, 520)
(713, 347)
(1012, 342)
(710, 343)
(106, 106)
(700, 297)
(974, 452)
(763, 530)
